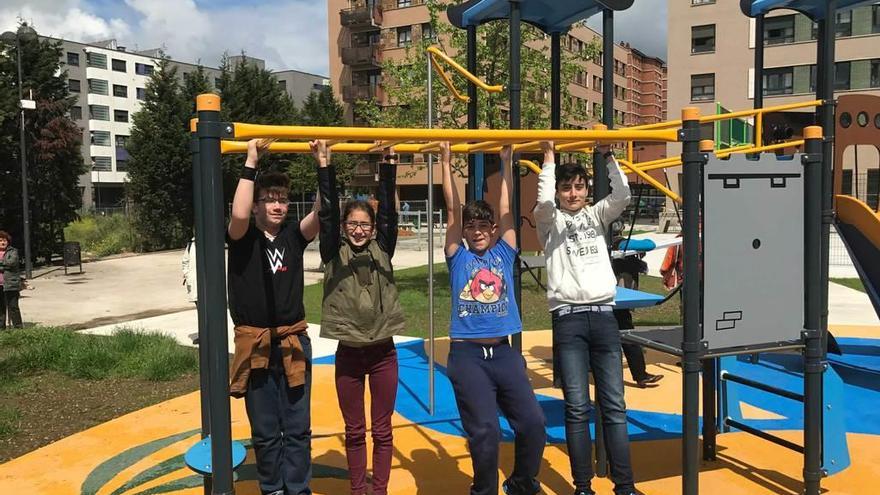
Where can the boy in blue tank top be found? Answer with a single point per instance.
(486, 373)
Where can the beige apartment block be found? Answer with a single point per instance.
(711, 52)
(364, 33)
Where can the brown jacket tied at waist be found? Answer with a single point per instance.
(252, 349)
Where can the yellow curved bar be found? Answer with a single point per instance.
(437, 53)
(447, 81)
(530, 165)
(759, 149)
(250, 131)
(650, 180)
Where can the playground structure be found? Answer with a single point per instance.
(716, 187)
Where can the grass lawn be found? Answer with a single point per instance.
(55, 382)
(412, 283)
(852, 283)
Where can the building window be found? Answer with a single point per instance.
(875, 73)
(217, 82)
(120, 91)
(73, 59)
(403, 3)
(121, 141)
(843, 26)
(118, 65)
(120, 116)
(143, 69)
(841, 76)
(141, 93)
(121, 165)
(404, 35)
(96, 60)
(703, 38)
(703, 87)
(428, 31)
(282, 84)
(73, 85)
(779, 30)
(98, 86)
(597, 83)
(101, 163)
(100, 138)
(779, 81)
(875, 18)
(76, 113)
(99, 112)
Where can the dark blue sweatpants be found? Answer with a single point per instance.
(487, 378)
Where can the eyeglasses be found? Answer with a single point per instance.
(269, 201)
(364, 226)
(481, 225)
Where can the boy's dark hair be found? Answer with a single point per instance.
(5, 235)
(273, 183)
(358, 204)
(569, 172)
(477, 210)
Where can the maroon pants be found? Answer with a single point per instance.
(353, 364)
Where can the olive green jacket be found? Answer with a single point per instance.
(9, 265)
(361, 303)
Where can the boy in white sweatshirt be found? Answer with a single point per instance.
(580, 290)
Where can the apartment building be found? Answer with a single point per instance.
(711, 64)
(110, 82)
(364, 33)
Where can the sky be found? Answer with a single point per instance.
(287, 34)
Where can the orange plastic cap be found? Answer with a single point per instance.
(193, 123)
(208, 101)
(707, 145)
(690, 113)
(813, 132)
(600, 127)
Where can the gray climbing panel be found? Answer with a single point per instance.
(753, 252)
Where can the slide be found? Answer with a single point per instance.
(859, 227)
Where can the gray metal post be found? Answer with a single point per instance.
(25, 200)
(601, 186)
(758, 83)
(198, 222)
(210, 130)
(813, 351)
(515, 96)
(692, 164)
(431, 247)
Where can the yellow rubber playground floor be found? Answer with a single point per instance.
(141, 453)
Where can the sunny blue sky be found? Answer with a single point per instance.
(288, 34)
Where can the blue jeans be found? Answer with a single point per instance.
(281, 425)
(487, 378)
(583, 342)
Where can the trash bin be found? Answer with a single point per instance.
(72, 255)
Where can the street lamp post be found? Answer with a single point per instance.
(23, 31)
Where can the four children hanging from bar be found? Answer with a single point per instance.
(361, 309)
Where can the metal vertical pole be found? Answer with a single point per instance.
(692, 163)
(25, 199)
(430, 247)
(515, 95)
(601, 186)
(210, 130)
(813, 350)
(472, 184)
(827, 124)
(555, 81)
(709, 366)
(199, 225)
(758, 82)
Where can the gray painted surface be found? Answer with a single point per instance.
(753, 252)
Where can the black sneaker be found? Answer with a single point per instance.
(584, 492)
(513, 488)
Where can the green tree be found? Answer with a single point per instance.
(194, 84)
(160, 167)
(320, 109)
(53, 143)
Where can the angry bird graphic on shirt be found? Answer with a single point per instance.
(486, 286)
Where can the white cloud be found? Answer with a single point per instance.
(289, 34)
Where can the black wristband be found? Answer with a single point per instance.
(249, 174)
(608, 154)
(388, 158)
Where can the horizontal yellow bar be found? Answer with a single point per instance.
(650, 180)
(761, 149)
(673, 162)
(576, 146)
(732, 115)
(229, 147)
(507, 136)
(436, 52)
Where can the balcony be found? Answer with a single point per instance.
(355, 92)
(361, 18)
(362, 56)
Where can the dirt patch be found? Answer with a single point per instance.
(52, 406)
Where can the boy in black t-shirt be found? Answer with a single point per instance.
(272, 364)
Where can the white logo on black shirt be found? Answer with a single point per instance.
(276, 260)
